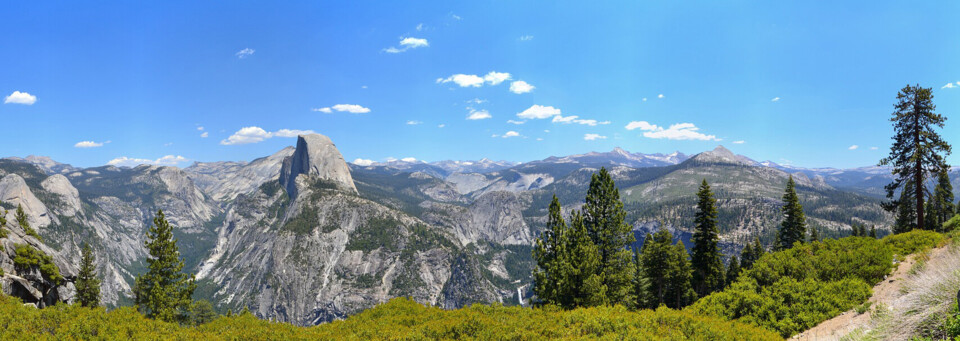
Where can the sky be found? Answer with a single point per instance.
(794, 82)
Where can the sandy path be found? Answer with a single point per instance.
(885, 292)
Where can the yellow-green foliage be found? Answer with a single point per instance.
(913, 241)
(397, 319)
(795, 289)
(27, 257)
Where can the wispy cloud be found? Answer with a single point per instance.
(511, 134)
(853, 147)
(739, 142)
(18, 97)
(478, 114)
(660, 96)
(253, 134)
(516, 122)
(408, 43)
(775, 99)
(474, 81)
(89, 144)
(677, 131)
(874, 148)
(521, 87)
(951, 85)
(247, 52)
(537, 111)
(526, 38)
(592, 137)
(168, 160)
(577, 120)
(205, 134)
(413, 123)
(350, 108)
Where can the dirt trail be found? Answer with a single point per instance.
(886, 292)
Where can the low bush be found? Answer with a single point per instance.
(27, 256)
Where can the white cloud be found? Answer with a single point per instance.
(200, 128)
(351, 108)
(538, 112)
(853, 147)
(526, 38)
(325, 110)
(420, 27)
(516, 122)
(521, 87)
(642, 125)
(539, 139)
(478, 115)
(408, 159)
(644, 99)
(477, 101)
(408, 43)
(678, 131)
(88, 144)
(169, 160)
(874, 148)
(775, 99)
(362, 162)
(245, 53)
(546, 131)
(949, 86)
(511, 134)
(255, 134)
(660, 96)
(18, 97)
(494, 78)
(739, 142)
(576, 119)
(205, 135)
(292, 133)
(413, 123)
(591, 137)
(441, 125)
(463, 80)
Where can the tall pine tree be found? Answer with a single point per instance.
(586, 278)
(666, 271)
(940, 207)
(164, 292)
(87, 284)
(906, 218)
(552, 263)
(793, 229)
(733, 270)
(604, 216)
(917, 150)
(706, 258)
(680, 293)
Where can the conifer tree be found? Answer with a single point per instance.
(906, 218)
(655, 258)
(706, 258)
(603, 216)
(585, 278)
(917, 150)
(873, 231)
(24, 223)
(87, 284)
(680, 292)
(746, 256)
(793, 229)
(164, 292)
(940, 206)
(733, 270)
(551, 257)
(814, 234)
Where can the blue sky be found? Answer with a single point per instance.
(791, 81)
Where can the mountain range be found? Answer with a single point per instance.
(305, 237)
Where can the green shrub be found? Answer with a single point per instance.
(912, 242)
(27, 256)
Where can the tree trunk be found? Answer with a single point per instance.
(918, 167)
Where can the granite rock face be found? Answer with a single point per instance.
(316, 156)
(225, 180)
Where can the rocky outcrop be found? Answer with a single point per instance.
(59, 185)
(495, 217)
(14, 191)
(28, 282)
(223, 181)
(315, 156)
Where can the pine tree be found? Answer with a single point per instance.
(733, 270)
(680, 292)
(906, 218)
(24, 223)
(751, 253)
(552, 263)
(794, 226)
(873, 231)
(917, 150)
(87, 284)
(3, 222)
(585, 279)
(164, 292)
(655, 258)
(940, 206)
(814, 234)
(603, 215)
(706, 258)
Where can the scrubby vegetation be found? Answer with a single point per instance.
(795, 289)
(28, 257)
(397, 319)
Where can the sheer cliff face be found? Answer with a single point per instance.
(321, 252)
(316, 156)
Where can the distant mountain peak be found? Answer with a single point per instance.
(316, 155)
(723, 155)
